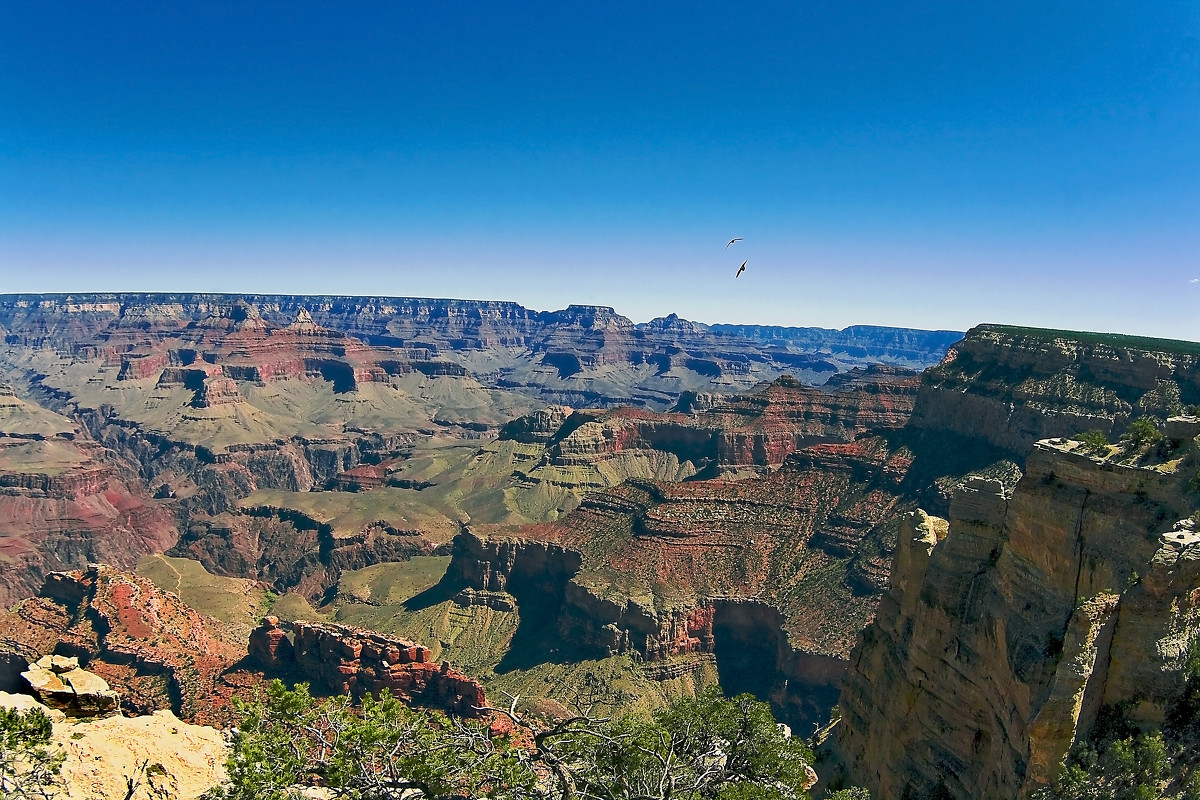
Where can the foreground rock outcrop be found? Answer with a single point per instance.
(151, 757)
(1003, 635)
(148, 646)
(60, 683)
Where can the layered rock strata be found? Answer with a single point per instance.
(1003, 635)
(65, 503)
(348, 660)
(275, 335)
(1013, 386)
(757, 430)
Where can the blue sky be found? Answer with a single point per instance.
(930, 164)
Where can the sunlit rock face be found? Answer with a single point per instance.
(1001, 637)
(154, 651)
(1013, 386)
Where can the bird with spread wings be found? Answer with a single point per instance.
(742, 268)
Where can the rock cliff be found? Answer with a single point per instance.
(1002, 635)
(758, 430)
(1013, 386)
(347, 660)
(207, 399)
(155, 652)
(65, 503)
(549, 354)
(151, 757)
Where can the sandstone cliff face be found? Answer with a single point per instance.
(998, 641)
(1013, 386)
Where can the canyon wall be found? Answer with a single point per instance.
(65, 503)
(747, 637)
(575, 337)
(1013, 386)
(1002, 635)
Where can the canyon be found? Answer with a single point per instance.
(670, 504)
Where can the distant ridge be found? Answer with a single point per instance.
(372, 314)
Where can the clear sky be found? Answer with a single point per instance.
(928, 164)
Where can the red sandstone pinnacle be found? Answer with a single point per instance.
(269, 644)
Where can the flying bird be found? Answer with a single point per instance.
(731, 241)
(742, 268)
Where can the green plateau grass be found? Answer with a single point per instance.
(393, 582)
(21, 418)
(47, 457)
(348, 513)
(291, 607)
(477, 640)
(233, 600)
(472, 484)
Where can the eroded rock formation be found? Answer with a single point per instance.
(65, 503)
(153, 650)
(1013, 386)
(348, 660)
(1000, 639)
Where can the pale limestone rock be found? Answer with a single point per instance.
(59, 681)
(47, 684)
(24, 702)
(183, 761)
(919, 534)
(999, 642)
(1053, 730)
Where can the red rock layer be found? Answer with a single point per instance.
(350, 660)
(151, 648)
(234, 343)
(758, 429)
(61, 521)
(690, 543)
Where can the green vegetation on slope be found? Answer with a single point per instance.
(509, 653)
(1119, 761)
(49, 457)
(233, 600)
(29, 765)
(20, 418)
